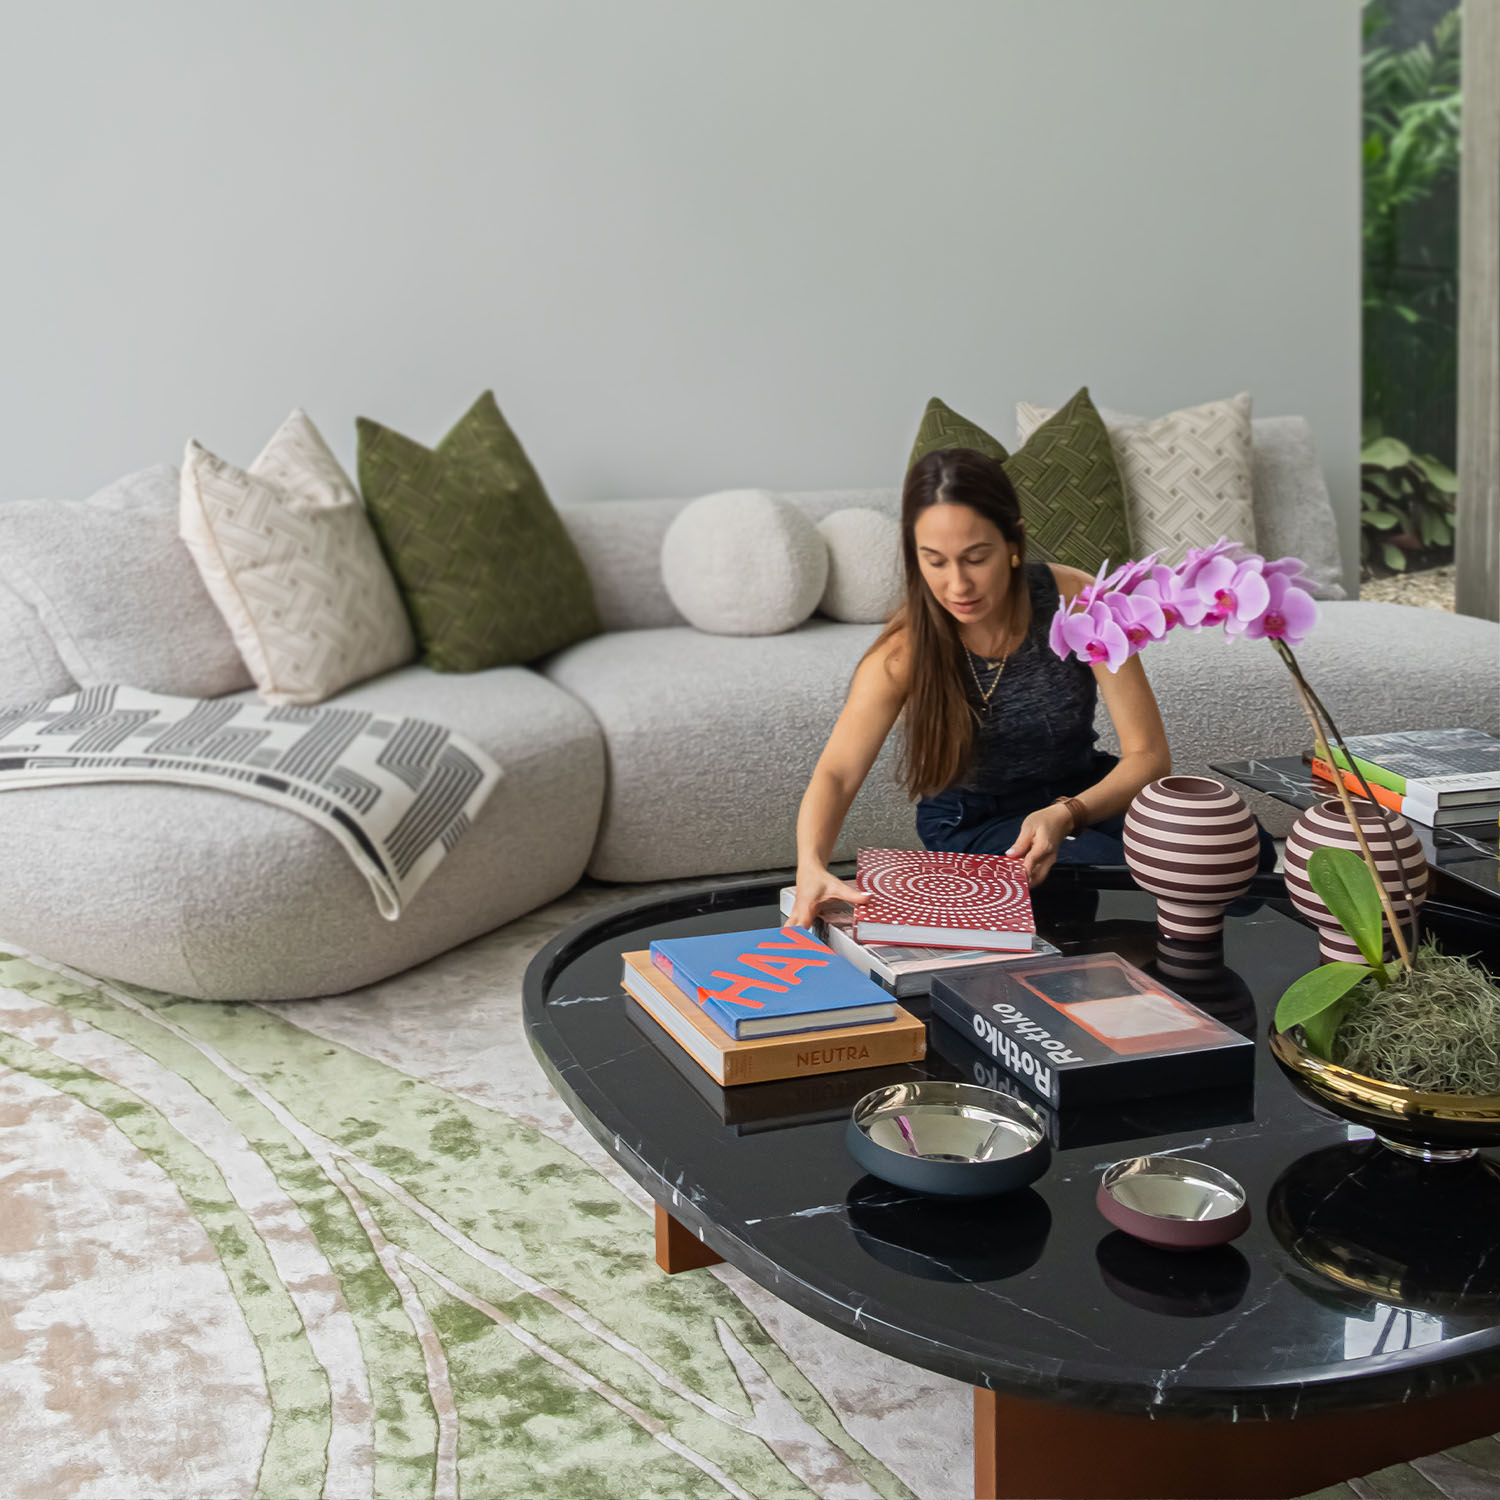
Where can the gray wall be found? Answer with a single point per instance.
(690, 245)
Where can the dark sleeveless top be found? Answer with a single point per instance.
(1038, 732)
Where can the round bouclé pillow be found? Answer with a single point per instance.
(864, 566)
(743, 562)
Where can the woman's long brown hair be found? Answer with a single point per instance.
(938, 721)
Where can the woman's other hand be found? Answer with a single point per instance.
(1039, 840)
(815, 888)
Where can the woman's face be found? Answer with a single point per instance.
(965, 561)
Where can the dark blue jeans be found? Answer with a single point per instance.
(969, 823)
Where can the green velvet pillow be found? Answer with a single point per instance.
(1066, 478)
(487, 570)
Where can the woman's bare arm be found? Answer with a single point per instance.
(875, 699)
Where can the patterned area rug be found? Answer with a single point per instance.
(356, 1247)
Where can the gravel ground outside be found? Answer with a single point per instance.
(1433, 588)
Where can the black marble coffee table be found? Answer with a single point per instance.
(1332, 1339)
(1467, 853)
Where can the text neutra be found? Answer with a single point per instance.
(999, 1037)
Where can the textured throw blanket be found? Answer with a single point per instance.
(396, 793)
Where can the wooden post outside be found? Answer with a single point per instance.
(678, 1248)
(1477, 554)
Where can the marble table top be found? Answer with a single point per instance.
(1468, 852)
(1364, 1278)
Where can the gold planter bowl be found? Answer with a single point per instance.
(1431, 1127)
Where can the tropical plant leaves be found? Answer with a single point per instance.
(1321, 1028)
(1311, 995)
(1386, 453)
(1343, 880)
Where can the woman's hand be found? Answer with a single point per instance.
(815, 888)
(1040, 838)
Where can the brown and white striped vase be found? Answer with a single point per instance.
(1325, 825)
(1193, 844)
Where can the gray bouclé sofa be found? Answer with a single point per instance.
(651, 751)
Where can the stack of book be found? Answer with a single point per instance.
(1432, 776)
(767, 1004)
(927, 897)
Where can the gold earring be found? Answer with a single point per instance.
(1014, 559)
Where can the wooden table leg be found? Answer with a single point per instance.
(678, 1248)
(1042, 1450)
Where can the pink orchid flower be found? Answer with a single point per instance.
(1094, 636)
(1293, 569)
(1198, 558)
(1126, 578)
(1139, 616)
(1289, 613)
(1179, 606)
(1233, 591)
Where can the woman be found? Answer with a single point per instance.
(999, 730)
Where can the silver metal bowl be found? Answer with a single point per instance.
(954, 1139)
(1173, 1203)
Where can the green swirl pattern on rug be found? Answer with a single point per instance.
(442, 1300)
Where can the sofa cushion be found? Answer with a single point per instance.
(199, 893)
(620, 543)
(1065, 475)
(118, 591)
(1293, 514)
(1187, 475)
(710, 741)
(31, 671)
(743, 562)
(488, 572)
(288, 555)
(865, 576)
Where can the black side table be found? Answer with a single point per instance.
(1466, 856)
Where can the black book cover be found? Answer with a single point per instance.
(1097, 1124)
(1091, 1029)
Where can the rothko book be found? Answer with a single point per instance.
(1091, 1029)
(770, 981)
(936, 899)
(728, 1062)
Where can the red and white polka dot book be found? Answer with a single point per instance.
(944, 900)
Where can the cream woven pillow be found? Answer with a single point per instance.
(1187, 474)
(289, 557)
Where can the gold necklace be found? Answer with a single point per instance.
(997, 667)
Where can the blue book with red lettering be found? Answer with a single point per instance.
(770, 981)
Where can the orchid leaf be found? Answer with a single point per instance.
(1319, 1029)
(1343, 880)
(1312, 995)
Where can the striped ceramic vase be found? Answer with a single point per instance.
(1192, 843)
(1325, 825)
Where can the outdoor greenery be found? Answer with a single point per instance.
(1406, 502)
(1411, 155)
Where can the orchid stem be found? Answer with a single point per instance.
(1316, 713)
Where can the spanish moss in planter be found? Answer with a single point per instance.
(1434, 1028)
